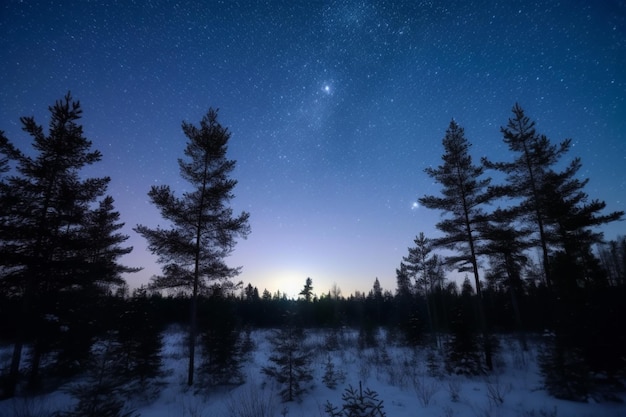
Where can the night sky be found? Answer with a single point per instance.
(335, 109)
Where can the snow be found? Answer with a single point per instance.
(397, 374)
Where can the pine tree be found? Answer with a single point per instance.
(46, 221)
(464, 195)
(204, 229)
(554, 203)
(525, 176)
(572, 219)
(583, 346)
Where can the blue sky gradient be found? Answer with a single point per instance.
(335, 109)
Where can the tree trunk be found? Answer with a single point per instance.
(516, 311)
(481, 309)
(192, 335)
(25, 323)
(14, 372)
(33, 377)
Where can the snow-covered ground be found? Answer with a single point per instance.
(398, 375)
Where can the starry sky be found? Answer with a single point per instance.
(335, 109)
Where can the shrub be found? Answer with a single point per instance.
(357, 404)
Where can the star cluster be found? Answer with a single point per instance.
(336, 108)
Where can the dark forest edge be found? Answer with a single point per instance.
(63, 296)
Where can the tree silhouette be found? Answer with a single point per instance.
(203, 227)
(613, 258)
(464, 195)
(572, 219)
(307, 291)
(403, 281)
(423, 266)
(526, 174)
(102, 244)
(48, 225)
(291, 360)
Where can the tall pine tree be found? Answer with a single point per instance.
(552, 201)
(525, 176)
(46, 220)
(464, 194)
(203, 227)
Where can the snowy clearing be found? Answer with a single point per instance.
(408, 383)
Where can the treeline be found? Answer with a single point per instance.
(66, 309)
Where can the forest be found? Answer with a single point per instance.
(536, 267)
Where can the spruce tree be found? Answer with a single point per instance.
(96, 267)
(291, 360)
(406, 306)
(204, 228)
(423, 264)
(403, 296)
(357, 404)
(102, 240)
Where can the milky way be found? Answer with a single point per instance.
(335, 109)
